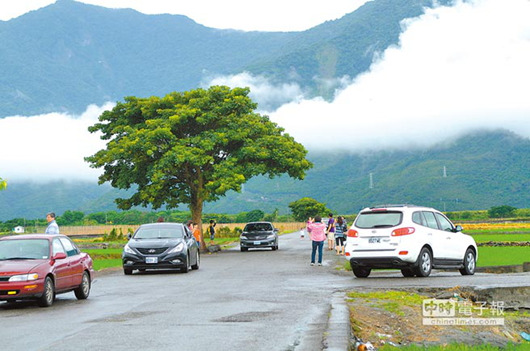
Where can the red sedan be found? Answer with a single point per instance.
(39, 266)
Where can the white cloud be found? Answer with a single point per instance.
(267, 94)
(269, 15)
(51, 146)
(456, 69)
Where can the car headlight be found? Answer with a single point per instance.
(177, 248)
(127, 249)
(243, 237)
(24, 277)
(271, 236)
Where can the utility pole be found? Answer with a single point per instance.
(371, 181)
(445, 172)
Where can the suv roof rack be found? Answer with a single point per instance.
(393, 205)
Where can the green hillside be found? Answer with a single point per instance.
(483, 170)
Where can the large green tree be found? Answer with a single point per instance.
(191, 147)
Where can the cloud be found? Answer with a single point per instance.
(268, 95)
(49, 147)
(455, 69)
(270, 15)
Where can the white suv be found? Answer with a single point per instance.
(411, 238)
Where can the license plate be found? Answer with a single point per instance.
(374, 240)
(257, 242)
(151, 260)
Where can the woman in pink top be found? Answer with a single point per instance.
(317, 232)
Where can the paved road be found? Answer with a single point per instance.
(257, 300)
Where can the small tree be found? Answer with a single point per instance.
(191, 147)
(255, 215)
(307, 207)
(503, 211)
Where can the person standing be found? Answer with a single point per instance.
(317, 233)
(52, 228)
(211, 229)
(340, 234)
(197, 233)
(330, 231)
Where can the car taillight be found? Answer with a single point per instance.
(403, 231)
(352, 233)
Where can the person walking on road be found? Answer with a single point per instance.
(330, 231)
(52, 228)
(317, 233)
(340, 235)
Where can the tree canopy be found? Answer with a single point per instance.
(191, 147)
(3, 184)
(307, 207)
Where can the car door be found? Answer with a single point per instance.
(454, 251)
(61, 267)
(438, 242)
(75, 263)
(192, 245)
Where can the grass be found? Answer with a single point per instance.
(502, 255)
(100, 264)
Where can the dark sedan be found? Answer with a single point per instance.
(259, 235)
(39, 266)
(161, 246)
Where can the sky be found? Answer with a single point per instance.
(264, 15)
(456, 69)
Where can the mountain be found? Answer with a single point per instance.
(68, 55)
(482, 169)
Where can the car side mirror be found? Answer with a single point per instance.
(59, 256)
(276, 230)
(458, 228)
(129, 236)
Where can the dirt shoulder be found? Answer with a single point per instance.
(397, 318)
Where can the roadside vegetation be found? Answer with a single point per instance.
(393, 320)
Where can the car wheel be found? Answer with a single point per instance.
(197, 261)
(186, 267)
(361, 272)
(273, 248)
(244, 249)
(83, 290)
(424, 263)
(469, 263)
(127, 271)
(407, 272)
(46, 300)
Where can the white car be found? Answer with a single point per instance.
(411, 238)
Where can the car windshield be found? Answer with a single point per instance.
(258, 227)
(378, 219)
(159, 233)
(24, 249)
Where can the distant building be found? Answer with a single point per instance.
(19, 229)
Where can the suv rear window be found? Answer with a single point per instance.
(383, 219)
